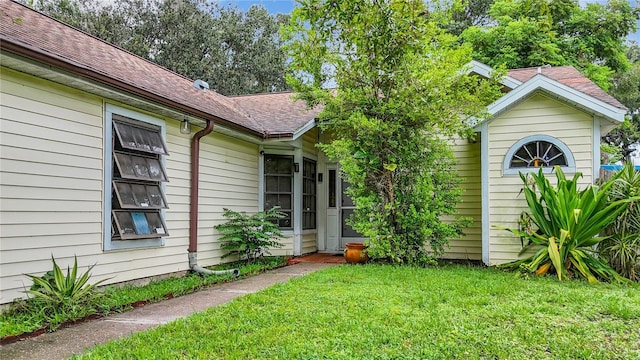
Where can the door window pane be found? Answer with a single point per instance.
(332, 188)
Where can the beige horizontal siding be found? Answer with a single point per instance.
(286, 249)
(228, 179)
(538, 115)
(51, 188)
(469, 246)
(50, 178)
(309, 243)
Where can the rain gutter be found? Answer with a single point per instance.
(193, 210)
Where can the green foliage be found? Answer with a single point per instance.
(25, 316)
(626, 88)
(469, 13)
(526, 33)
(610, 153)
(401, 94)
(235, 52)
(393, 312)
(250, 236)
(564, 224)
(64, 297)
(622, 249)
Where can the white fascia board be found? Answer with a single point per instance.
(486, 70)
(306, 127)
(554, 88)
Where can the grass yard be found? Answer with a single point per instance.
(383, 312)
(22, 318)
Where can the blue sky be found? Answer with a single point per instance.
(285, 7)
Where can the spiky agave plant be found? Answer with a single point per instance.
(58, 290)
(565, 223)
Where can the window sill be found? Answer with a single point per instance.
(133, 244)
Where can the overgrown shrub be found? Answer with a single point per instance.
(565, 224)
(622, 249)
(250, 236)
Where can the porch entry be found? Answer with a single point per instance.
(339, 208)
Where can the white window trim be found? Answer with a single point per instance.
(507, 170)
(109, 245)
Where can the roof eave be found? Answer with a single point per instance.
(556, 89)
(36, 54)
(486, 71)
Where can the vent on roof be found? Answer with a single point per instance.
(201, 85)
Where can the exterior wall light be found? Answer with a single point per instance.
(185, 127)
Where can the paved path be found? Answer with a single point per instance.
(76, 339)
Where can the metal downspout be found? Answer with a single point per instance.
(193, 210)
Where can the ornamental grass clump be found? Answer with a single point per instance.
(565, 223)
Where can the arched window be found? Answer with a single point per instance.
(538, 151)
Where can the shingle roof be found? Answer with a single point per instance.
(29, 33)
(279, 113)
(569, 76)
(97, 59)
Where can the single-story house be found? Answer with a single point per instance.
(127, 165)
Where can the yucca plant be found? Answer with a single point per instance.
(565, 223)
(622, 249)
(59, 292)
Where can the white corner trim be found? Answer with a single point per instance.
(484, 176)
(543, 83)
(596, 148)
(261, 184)
(297, 203)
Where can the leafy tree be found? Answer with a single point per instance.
(234, 51)
(471, 13)
(400, 96)
(626, 88)
(525, 33)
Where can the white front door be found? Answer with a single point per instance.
(339, 208)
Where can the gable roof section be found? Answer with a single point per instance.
(486, 70)
(27, 33)
(280, 113)
(569, 76)
(541, 83)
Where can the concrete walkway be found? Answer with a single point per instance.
(76, 339)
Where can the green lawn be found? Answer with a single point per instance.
(382, 312)
(24, 318)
